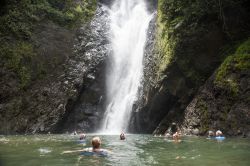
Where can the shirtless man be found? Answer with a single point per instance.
(96, 145)
(95, 149)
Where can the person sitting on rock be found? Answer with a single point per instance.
(122, 136)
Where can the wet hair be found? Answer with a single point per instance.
(122, 136)
(218, 133)
(210, 133)
(96, 142)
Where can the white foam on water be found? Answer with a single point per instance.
(44, 150)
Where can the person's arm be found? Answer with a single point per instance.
(73, 151)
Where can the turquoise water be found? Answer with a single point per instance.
(46, 150)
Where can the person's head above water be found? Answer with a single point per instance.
(177, 135)
(122, 136)
(96, 142)
(218, 133)
(82, 136)
(210, 133)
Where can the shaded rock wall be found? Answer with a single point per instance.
(39, 107)
(191, 37)
(41, 76)
(92, 47)
(223, 102)
(148, 73)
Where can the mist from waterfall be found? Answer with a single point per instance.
(129, 23)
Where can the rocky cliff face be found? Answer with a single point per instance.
(196, 75)
(191, 40)
(223, 102)
(38, 107)
(92, 48)
(41, 75)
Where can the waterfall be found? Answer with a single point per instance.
(128, 29)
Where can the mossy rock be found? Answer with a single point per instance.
(238, 62)
(17, 58)
(20, 17)
(17, 23)
(243, 48)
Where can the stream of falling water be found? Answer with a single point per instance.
(129, 23)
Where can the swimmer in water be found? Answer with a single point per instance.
(82, 139)
(177, 136)
(219, 133)
(219, 136)
(210, 134)
(122, 136)
(82, 136)
(96, 147)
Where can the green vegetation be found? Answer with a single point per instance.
(238, 62)
(244, 48)
(18, 19)
(17, 58)
(180, 21)
(165, 44)
(205, 117)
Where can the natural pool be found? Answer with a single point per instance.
(36, 150)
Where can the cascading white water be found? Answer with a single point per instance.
(129, 23)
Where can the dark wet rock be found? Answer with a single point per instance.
(148, 74)
(188, 52)
(212, 112)
(39, 107)
(223, 102)
(92, 47)
(47, 103)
